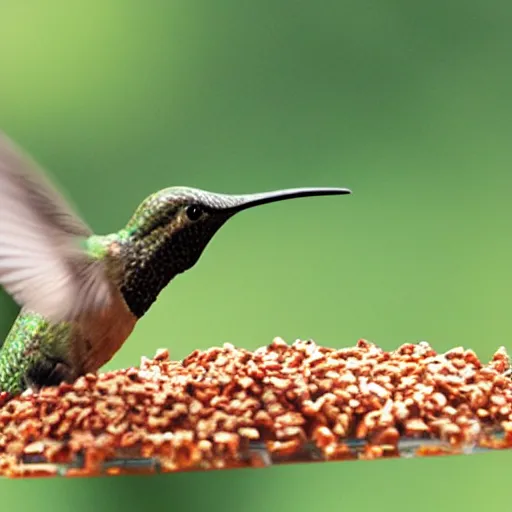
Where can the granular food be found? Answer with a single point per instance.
(228, 407)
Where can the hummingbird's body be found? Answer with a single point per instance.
(82, 294)
(40, 351)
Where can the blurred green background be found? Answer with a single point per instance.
(407, 103)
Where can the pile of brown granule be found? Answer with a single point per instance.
(228, 407)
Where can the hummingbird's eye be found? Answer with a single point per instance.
(194, 212)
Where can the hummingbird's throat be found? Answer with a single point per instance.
(144, 281)
(152, 262)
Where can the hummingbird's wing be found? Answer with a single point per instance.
(43, 263)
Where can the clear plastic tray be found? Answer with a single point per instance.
(258, 455)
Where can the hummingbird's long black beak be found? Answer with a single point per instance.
(242, 202)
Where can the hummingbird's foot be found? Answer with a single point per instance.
(48, 371)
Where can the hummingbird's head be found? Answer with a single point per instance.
(171, 228)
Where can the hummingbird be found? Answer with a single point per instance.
(81, 294)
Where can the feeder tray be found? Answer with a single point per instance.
(230, 408)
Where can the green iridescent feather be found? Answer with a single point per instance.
(30, 337)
